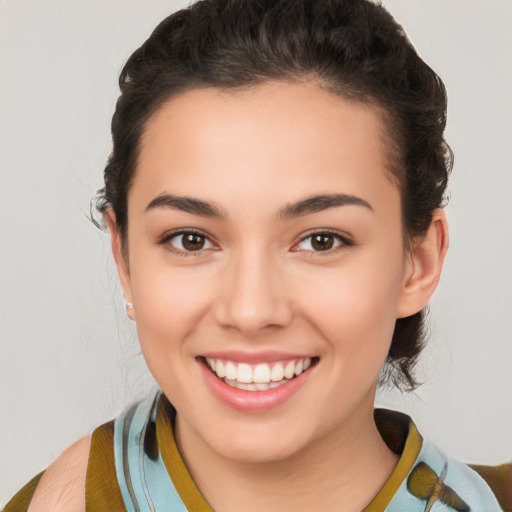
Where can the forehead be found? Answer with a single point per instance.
(277, 139)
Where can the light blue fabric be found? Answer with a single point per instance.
(146, 486)
(144, 482)
(466, 483)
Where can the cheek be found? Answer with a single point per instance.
(169, 303)
(355, 307)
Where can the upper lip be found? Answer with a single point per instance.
(254, 357)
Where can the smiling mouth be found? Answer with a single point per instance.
(261, 376)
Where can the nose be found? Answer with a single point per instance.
(253, 296)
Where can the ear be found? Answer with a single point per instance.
(120, 257)
(424, 267)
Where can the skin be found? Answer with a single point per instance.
(258, 285)
(61, 488)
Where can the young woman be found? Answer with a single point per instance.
(274, 201)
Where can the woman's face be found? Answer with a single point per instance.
(265, 237)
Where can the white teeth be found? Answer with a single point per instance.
(254, 387)
(219, 369)
(243, 373)
(261, 374)
(230, 371)
(261, 377)
(243, 385)
(289, 371)
(277, 373)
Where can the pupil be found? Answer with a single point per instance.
(193, 242)
(322, 242)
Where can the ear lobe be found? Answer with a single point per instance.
(123, 268)
(426, 262)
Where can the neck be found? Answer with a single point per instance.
(331, 473)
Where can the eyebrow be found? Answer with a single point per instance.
(319, 203)
(305, 206)
(186, 204)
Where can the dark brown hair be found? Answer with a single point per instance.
(353, 48)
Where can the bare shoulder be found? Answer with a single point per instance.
(62, 487)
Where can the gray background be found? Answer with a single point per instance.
(69, 357)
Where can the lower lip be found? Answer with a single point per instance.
(253, 401)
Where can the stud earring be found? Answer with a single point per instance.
(130, 311)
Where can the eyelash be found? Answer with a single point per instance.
(344, 241)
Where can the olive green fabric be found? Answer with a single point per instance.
(21, 500)
(499, 479)
(102, 491)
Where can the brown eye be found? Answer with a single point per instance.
(187, 243)
(193, 241)
(322, 241)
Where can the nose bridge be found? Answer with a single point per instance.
(253, 294)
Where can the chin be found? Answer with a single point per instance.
(269, 451)
(258, 442)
